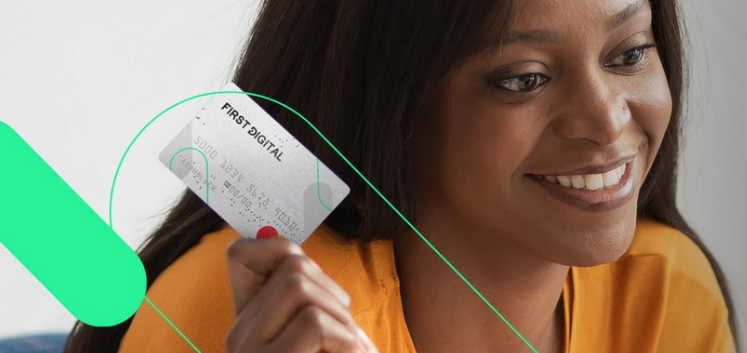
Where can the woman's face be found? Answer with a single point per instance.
(543, 142)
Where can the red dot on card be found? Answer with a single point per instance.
(266, 232)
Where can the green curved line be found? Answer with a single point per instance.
(207, 176)
(318, 190)
(409, 224)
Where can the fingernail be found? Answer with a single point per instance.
(365, 341)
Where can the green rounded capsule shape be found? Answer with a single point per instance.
(56, 235)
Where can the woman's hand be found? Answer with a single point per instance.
(285, 303)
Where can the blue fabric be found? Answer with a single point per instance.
(44, 343)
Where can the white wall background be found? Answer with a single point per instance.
(79, 79)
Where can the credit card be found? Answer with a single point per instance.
(251, 171)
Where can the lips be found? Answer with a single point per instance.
(607, 189)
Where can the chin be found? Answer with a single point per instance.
(590, 245)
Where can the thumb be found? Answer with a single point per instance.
(251, 262)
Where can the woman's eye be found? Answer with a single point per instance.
(631, 57)
(523, 83)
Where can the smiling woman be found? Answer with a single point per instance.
(534, 143)
(586, 110)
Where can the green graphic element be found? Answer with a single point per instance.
(318, 189)
(53, 232)
(172, 325)
(207, 176)
(409, 224)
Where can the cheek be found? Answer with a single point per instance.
(484, 149)
(651, 109)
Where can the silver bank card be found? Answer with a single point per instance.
(251, 171)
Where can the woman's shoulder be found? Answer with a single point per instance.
(661, 294)
(194, 294)
(676, 254)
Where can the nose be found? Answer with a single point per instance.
(591, 107)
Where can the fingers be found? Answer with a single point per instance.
(313, 330)
(296, 283)
(250, 262)
(285, 303)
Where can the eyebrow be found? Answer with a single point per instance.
(542, 36)
(626, 14)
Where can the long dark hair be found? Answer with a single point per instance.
(359, 71)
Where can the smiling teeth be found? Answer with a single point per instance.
(590, 182)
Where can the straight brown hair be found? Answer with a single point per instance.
(360, 71)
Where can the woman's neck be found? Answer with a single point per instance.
(444, 315)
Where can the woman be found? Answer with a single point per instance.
(534, 143)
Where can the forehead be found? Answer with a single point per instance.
(543, 21)
(565, 14)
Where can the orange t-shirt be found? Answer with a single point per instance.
(661, 296)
